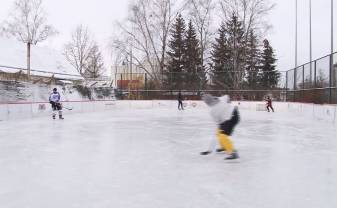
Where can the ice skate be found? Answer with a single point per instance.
(234, 155)
(220, 150)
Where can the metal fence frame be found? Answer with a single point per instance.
(320, 87)
(312, 82)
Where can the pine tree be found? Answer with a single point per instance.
(236, 41)
(221, 59)
(195, 73)
(228, 55)
(269, 75)
(252, 62)
(174, 76)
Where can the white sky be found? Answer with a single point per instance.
(100, 16)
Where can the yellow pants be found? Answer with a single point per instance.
(225, 142)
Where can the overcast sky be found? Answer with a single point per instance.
(100, 16)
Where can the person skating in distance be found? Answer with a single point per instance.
(227, 117)
(180, 101)
(54, 100)
(269, 104)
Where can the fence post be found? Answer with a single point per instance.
(295, 80)
(303, 88)
(330, 79)
(121, 82)
(286, 86)
(303, 77)
(315, 79)
(147, 91)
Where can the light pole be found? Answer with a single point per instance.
(331, 84)
(310, 40)
(332, 26)
(310, 33)
(295, 33)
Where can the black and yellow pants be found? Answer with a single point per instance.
(225, 142)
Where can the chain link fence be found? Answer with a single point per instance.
(140, 86)
(313, 82)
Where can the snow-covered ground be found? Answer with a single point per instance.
(149, 158)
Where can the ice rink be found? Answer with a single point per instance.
(149, 158)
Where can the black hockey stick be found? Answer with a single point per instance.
(205, 153)
(209, 152)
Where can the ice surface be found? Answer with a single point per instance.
(149, 158)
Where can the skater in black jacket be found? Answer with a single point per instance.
(269, 104)
(180, 101)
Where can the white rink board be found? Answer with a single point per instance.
(28, 110)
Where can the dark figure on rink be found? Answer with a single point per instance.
(269, 104)
(180, 101)
(54, 100)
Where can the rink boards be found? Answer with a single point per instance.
(19, 110)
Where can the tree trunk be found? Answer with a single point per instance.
(202, 47)
(28, 60)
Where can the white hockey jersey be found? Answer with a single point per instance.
(222, 110)
(55, 97)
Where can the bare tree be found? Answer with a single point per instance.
(95, 65)
(252, 13)
(145, 34)
(201, 13)
(27, 23)
(79, 49)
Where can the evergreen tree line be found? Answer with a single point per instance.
(238, 60)
(184, 69)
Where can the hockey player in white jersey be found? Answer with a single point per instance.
(54, 100)
(227, 117)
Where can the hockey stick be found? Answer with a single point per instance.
(212, 148)
(68, 108)
(209, 152)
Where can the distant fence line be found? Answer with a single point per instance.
(313, 82)
(252, 95)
